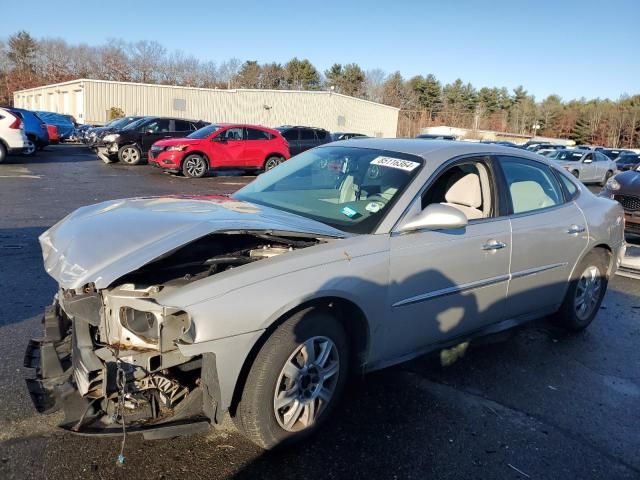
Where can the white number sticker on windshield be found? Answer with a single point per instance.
(406, 165)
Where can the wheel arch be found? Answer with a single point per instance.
(274, 154)
(351, 317)
(602, 247)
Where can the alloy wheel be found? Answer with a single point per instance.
(130, 155)
(272, 163)
(30, 147)
(195, 166)
(587, 292)
(306, 384)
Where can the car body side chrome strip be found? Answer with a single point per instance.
(473, 285)
(451, 290)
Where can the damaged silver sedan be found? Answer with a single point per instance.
(174, 311)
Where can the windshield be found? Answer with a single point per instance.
(119, 122)
(625, 159)
(568, 156)
(204, 132)
(345, 187)
(136, 124)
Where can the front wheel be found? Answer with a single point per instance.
(194, 166)
(272, 162)
(586, 291)
(295, 380)
(130, 154)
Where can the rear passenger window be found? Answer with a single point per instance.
(291, 135)
(182, 126)
(306, 134)
(255, 134)
(569, 186)
(532, 185)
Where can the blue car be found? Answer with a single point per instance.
(66, 128)
(35, 129)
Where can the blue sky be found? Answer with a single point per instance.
(568, 47)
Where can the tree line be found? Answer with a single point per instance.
(27, 62)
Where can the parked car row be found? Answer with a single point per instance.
(194, 147)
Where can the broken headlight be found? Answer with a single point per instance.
(143, 324)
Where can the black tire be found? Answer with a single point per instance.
(30, 148)
(3, 152)
(130, 154)
(272, 162)
(567, 316)
(576, 174)
(607, 176)
(194, 166)
(255, 415)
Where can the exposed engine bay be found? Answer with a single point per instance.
(110, 357)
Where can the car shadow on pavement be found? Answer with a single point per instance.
(54, 154)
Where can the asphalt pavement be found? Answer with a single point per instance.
(535, 403)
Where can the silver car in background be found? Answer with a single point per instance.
(589, 166)
(348, 258)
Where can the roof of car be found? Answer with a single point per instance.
(421, 148)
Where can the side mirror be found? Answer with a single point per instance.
(435, 217)
(587, 160)
(148, 132)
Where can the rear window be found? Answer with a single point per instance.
(255, 134)
(321, 134)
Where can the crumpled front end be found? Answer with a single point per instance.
(106, 365)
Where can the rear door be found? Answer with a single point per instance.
(589, 168)
(307, 139)
(548, 236)
(155, 130)
(292, 136)
(256, 147)
(183, 128)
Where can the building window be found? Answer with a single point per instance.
(179, 104)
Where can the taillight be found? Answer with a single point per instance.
(16, 124)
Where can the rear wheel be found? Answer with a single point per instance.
(29, 148)
(586, 291)
(295, 380)
(272, 162)
(130, 154)
(194, 166)
(607, 176)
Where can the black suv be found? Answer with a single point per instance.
(93, 138)
(303, 138)
(130, 144)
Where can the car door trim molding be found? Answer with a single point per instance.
(451, 290)
(443, 292)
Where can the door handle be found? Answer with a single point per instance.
(575, 229)
(493, 245)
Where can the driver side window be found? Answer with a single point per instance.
(233, 134)
(465, 186)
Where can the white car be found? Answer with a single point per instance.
(12, 136)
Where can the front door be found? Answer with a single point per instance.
(448, 283)
(548, 236)
(228, 149)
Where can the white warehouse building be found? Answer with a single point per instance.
(89, 101)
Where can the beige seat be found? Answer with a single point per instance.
(529, 195)
(466, 195)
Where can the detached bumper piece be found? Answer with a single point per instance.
(51, 359)
(70, 376)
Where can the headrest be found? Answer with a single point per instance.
(466, 191)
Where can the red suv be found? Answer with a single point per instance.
(221, 146)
